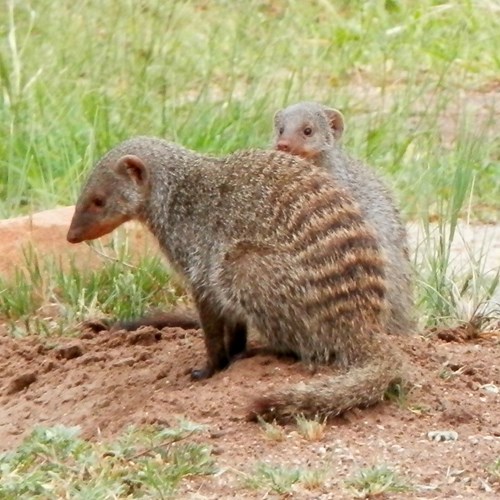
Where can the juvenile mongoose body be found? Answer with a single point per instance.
(262, 240)
(313, 131)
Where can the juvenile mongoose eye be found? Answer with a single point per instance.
(308, 131)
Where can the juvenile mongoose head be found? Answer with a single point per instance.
(307, 129)
(115, 193)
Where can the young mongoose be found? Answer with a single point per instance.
(262, 240)
(313, 131)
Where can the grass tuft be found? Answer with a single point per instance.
(56, 463)
(374, 481)
(282, 480)
(311, 429)
(272, 430)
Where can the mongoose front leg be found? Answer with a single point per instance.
(213, 329)
(236, 340)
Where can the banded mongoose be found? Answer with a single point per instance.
(313, 131)
(260, 240)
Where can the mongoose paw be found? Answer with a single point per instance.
(202, 373)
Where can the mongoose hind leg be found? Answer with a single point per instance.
(236, 341)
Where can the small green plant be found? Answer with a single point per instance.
(398, 393)
(56, 463)
(272, 430)
(283, 480)
(494, 470)
(311, 429)
(419, 409)
(375, 481)
(313, 479)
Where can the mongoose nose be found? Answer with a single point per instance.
(72, 236)
(283, 146)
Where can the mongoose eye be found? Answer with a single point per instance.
(281, 130)
(308, 131)
(98, 202)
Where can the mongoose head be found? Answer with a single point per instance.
(114, 193)
(307, 129)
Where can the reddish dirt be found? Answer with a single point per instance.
(44, 233)
(107, 381)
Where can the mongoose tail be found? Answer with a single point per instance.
(330, 396)
(188, 320)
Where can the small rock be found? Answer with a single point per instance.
(491, 388)
(91, 358)
(162, 373)
(144, 336)
(69, 351)
(20, 382)
(442, 435)
(130, 361)
(142, 356)
(217, 434)
(47, 365)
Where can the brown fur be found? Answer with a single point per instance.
(261, 239)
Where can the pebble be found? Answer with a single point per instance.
(442, 435)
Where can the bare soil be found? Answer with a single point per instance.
(105, 381)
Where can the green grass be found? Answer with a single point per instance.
(45, 297)
(272, 430)
(79, 77)
(494, 470)
(147, 463)
(415, 81)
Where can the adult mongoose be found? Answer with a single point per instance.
(261, 240)
(313, 131)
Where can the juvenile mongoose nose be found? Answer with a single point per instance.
(283, 146)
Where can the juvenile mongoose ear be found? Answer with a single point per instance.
(277, 117)
(336, 121)
(133, 167)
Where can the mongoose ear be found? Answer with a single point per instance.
(336, 121)
(133, 167)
